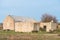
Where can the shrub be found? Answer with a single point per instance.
(42, 29)
(8, 29)
(34, 31)
(50, 31)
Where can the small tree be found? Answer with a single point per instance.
(48, 18)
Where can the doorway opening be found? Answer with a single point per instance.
(44, 27)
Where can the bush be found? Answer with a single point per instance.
(42, 29)
(34, 31)
(50, 31)
(4, 30)
(7, 30)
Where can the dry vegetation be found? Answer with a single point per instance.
(29, 37)
(47, 18)
(11, 35)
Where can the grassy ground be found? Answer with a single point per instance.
(40, 32)
(30, 37)
(41, 35)
(14, 33)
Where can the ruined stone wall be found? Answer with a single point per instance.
(8, 23)
(23, 26)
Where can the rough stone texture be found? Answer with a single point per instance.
(58, 26)
(50, 26)
(24, 26)
(8, 23)
(18, 25)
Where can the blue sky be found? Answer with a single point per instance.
(29, 8)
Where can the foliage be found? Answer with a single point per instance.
(48, 18)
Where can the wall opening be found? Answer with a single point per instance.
(35, 27)
(44, 27)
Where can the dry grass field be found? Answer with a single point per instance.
(11, 35)
(30, 37)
